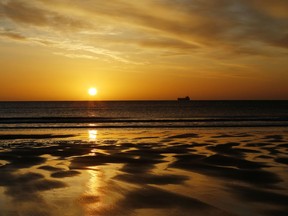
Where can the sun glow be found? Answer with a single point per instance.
(92, 91)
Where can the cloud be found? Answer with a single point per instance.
(168, 44)
(118, 29)
(71, 55)
(12, 35)
(32, 14)
(276, 8)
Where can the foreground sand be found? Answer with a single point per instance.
(144, 172)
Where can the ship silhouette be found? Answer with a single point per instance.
(187, 98)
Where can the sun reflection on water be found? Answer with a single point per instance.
(92, 135)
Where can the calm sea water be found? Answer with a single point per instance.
(143, 114)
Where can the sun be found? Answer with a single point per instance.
(92, 91)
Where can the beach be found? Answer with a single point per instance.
(143, 108)
(160, 171)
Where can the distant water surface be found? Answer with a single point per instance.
(143, 114)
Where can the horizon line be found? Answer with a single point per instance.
(136, 100)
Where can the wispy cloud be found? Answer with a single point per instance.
(71, 55)
(11, 35)
(117, 28)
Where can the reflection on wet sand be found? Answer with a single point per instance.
(91, 198)
(146, 172)
(92, 135)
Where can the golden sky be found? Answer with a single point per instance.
(150, 49)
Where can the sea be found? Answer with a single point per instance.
(142, 114)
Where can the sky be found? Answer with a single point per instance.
(143, 50)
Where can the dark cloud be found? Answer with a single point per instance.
(32, 14)
(281, 42)
(276, 8)
(12, 35)
(168, 44)
(220, 23)
(228, 23)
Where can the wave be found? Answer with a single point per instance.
(99, 122)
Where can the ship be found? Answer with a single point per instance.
(187, 98)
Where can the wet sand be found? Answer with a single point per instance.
(141, 172)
